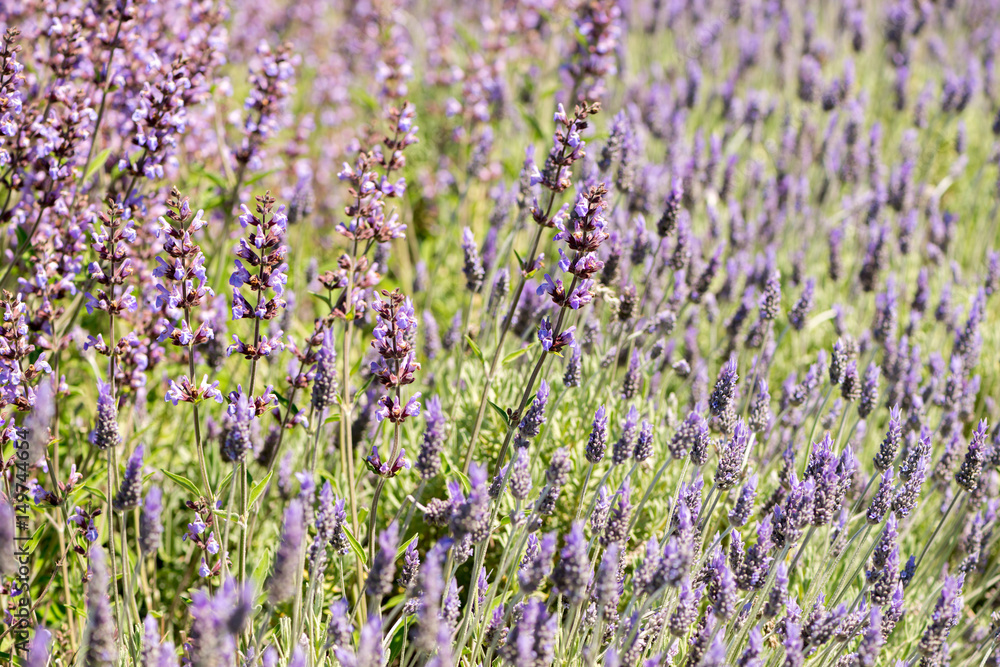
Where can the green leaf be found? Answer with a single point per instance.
(532, 120)
(403, 547)
(183, 482)
(227, 480)
(355, 547)
(217, 179)
(517, 353)
(259, 486)
(464, 479)
(475, 349)
(260, 176)
(97, 163)
(96, 491)
(325, 298)
(500, 411)
(35, 538)
(332, 418)
(262, 567)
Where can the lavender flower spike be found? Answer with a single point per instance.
(100, 649)
(128, 496)
(281, 586)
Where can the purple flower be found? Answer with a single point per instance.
(644, 444)
(731, 458)
(880, 501)
(616, 530)
(386, 468)
(8, 537)
(597, 442)
(743, 507)
(692, 438)
(531, 423)
(383, 569)
(725, 389)
(428, 462)
(572, 573)
(390, 408)
(241, 419)
(947, 613)
(473, 268)
(325, 387)
(537, 562)
(552, 342)
(532, 639)
(100, 648)
(130, 490)
(105, 433)
(625, 445)
(972, 467)
(890, 444)
(471, 517)
(38, 648)
(281, 585)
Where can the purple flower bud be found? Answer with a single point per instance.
(520, 477)
(428, 462)
(598, 441)
(240, 421)
(100, 648)
(473, 267)
(471, 515)
(691, 438)
(38, 649)
(797, 315)
(869, 391)
(760, 410)
(532, 639)
(838, 362)
(850, 386)
(281, 585)
(574, 370)
(778, 595)
(890, 444)
(531, 423)
(743, 507)
(794, 656)
(731, 458)
(625, 445)
(725, 389)
(618, 523)
(972, 467)
(880, 501)
(602, 506)
(324, 391)
(751, 656)
(644, 445)
(150, 524)
(383, 568)
(572, 573)
(947, 613)
(632, 380)
(105, 433)
(130, 491)
(537, 562)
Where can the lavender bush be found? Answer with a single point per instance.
(683, 314)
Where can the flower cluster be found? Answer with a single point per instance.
(264, 274)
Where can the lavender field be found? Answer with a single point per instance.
(517, 332)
